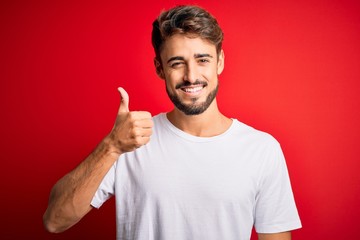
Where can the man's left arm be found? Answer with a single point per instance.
(275, 236)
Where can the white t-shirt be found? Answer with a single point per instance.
(179, 186)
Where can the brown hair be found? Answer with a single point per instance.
(189, 20)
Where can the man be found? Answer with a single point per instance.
(201, 175)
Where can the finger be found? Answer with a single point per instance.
(144, 115)
(124, 105)
(143, 123)
(146, 123)
(143, 132)
(146, 140)
(140, 141)
(140, 115)
(147, 132)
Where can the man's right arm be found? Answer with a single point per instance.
(71, 196)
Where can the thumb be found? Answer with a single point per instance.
(124, 105)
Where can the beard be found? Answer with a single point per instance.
(193, 108)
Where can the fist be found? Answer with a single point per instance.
(131, 129)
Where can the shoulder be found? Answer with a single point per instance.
(250, 134)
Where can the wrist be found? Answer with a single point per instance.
(109, 148)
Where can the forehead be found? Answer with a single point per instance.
(186, 46)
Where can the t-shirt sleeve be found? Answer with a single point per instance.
(275, 209)
(106, 188)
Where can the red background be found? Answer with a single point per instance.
(292, 69)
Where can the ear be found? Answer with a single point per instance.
(158, 68)
(221, 62)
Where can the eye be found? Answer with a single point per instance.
(204, 60)
(176, 64)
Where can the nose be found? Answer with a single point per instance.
(191, 73)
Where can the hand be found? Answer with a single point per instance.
(132, 129)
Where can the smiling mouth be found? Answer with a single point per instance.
(193, 89)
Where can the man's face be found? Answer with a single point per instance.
(190, 67)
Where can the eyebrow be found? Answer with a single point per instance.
(197, 55)
(175, 58)
(201, 55)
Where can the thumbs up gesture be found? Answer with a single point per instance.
(131, 129)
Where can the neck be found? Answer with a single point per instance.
(207, 124)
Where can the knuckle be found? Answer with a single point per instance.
(132, 133)
(150, 131)
(138, 142)
(130, 124)
(147, 114)
(131, 116)
(136, 132)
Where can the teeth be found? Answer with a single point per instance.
(192, 90)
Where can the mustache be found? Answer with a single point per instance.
(187, 84)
